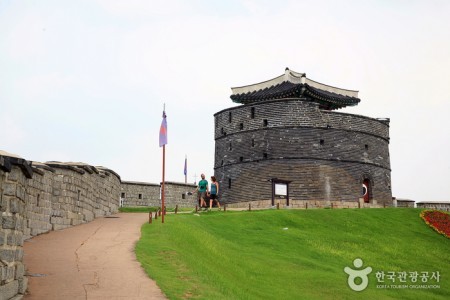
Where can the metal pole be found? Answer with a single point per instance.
(273, 191)
(163, 174)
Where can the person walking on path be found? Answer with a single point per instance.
(202, 190)
(214, 193)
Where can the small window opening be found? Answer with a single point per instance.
(241, 126)
(322, 142)
(122, 195)
(229, 183)
(140, 196)
(264, 155)
(252, 112)
(241, 159)
(265, 123)
(38, 199)
(366, 147)
(253, 142)
(183, 196)
(221, 163)
(230, 147)
(229, 117)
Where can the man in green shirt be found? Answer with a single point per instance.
(202, 190)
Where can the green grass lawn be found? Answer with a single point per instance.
(292, 254)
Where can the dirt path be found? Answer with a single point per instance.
(90, 261)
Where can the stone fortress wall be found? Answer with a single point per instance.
(325, 154)
(438, 205)
(36, 198)
(177, 193)
(135, 194)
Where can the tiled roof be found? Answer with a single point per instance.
(293, 85)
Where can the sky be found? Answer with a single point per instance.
(87, 80)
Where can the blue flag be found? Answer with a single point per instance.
(163, 131)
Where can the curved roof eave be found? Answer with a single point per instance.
(295, 78)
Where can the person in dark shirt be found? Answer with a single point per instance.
(213, 196)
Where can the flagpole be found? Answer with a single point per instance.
(185, 170)
(163, 142)
(163, 175)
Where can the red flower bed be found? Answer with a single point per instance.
(438, 220)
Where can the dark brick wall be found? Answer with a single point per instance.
(311, 180)
(294, 112)
(325, 154)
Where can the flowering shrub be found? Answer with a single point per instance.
(438, 220)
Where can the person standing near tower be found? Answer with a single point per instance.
(202, 190)
(213, 196)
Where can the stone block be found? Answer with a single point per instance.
(10, 271)
(9, 290)
(19, 239)
(19, 222)
(20, 192)
(35, 231)
(14, 174)
(3, 273)
(23, 285)
(12, 239)
(20, 271)
(4, 203)
(26, 234)
(16, 206)
(17, 297)
(8, 222)
(75, 222)
(59, 227)
(18, 254)
(9, 189)
(56, 220)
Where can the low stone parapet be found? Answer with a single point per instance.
(438, 205)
